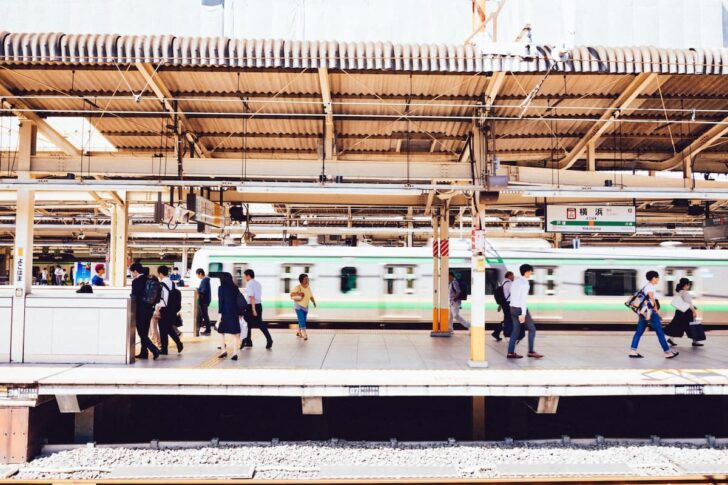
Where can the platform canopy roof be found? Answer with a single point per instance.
(633, 107)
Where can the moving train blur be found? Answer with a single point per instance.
(361, 284)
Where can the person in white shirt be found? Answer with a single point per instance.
(650, 311)
(520, 314)
(254, 295)
(166, 319)
(58, 273)
(506, 326)
(44, 277)
(456, 297)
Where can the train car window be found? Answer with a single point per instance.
(238, 274)
(410, 279)
(550, 282)
(389, 278)
(348, 279)
(492, 280)
(215, 268)
(610, 282)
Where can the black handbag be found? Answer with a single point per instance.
(696, 332)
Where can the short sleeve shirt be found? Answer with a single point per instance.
(253, 289)
(650, 288)
(307, 295)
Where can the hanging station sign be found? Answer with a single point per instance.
(715, 229)
(206, 212)
(579, 218)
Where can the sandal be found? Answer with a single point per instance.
(636, 356)
(674, 354)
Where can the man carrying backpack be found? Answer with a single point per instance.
(502, 296)
(168, 307)
(144, 310)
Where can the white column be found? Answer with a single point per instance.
(477, 312)
(183, 269)
(23, 249)
(118, 243)
(445, 272)
(435, 274)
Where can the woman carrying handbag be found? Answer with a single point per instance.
(685, 314)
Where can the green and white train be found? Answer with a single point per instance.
(588, 285)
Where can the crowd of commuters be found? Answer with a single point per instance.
(242, 311)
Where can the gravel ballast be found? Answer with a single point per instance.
(304, 460)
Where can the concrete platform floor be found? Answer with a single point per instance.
(409, 349)
(394, 363)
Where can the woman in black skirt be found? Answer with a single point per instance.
(680, 323)
(229, 301)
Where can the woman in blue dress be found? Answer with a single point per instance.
(230, 303)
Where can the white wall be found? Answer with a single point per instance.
(665, 23)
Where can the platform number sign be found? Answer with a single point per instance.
(600, 219)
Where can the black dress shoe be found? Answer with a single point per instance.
(496, 337)
(697, 344)
(269, 345)
(222, 356)
(180, 347)
(234, 357)
(672, 344)
(141, 356)
(163, 352)
(246, 344)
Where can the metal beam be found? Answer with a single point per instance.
(491, 91)
(687, 154)
(24, 110)
(628, 96)
(329, 131)
(286, 169)
(165, 96)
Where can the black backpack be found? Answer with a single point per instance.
(174, 303)
(500, 296)
(152, 291)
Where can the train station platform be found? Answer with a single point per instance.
(343, 363)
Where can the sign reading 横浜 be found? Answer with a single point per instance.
(580, 218)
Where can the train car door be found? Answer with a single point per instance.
(398, 299)
(289, 279)
(673, 275)
(544, 291)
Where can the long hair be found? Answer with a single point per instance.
(226, 280)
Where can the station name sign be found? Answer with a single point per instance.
(205, 211)
(591, 219)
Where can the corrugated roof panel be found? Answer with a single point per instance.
(276, 54)
(225, 81)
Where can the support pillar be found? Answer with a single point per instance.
(445, 272)
(478, 422)
(15, 442)
(591, 156)
(687, 167)
(83, 426)
(183, 269)
(23, 248)
(440, 303)
(118, 243)
(435, 274)
(477, 293)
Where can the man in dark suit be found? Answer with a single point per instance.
(204, 297)
(144, 311)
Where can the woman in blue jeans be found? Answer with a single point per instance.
(651, 313)
(302, 296)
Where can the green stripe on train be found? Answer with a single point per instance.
(536, 261)
(535, 306)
